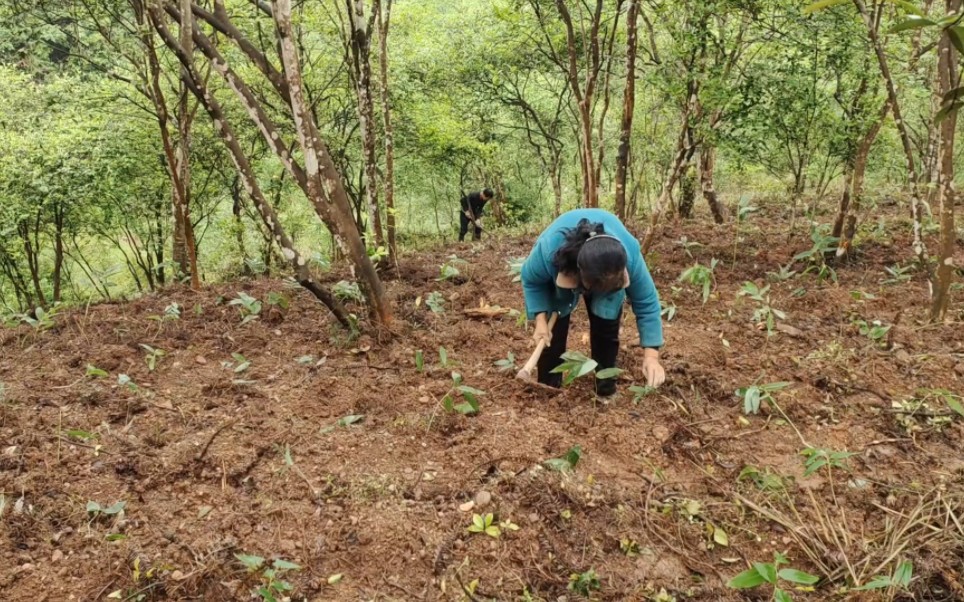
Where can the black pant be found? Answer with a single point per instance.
(464, 223)
(603, 340)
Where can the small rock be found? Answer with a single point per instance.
(533, 518)
(26, 567)
(177, 576)
(200, 360)
(790, 330)
(661, 433)
(902, 356)
(287, 545)
(483, 498)
(57, 556)
(467, 506)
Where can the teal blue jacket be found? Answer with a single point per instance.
(542, 294)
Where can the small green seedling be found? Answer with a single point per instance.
(639, 392)
(629, 547)
(347, 291)
(754, 395)
(95, 372)
(700, 276)
(765, 480)
(784, 274)
(470, 394)
(567, 462)
(95, 510)
(277, 300)
(876, 330)
(448, 270)
(152, 355)
(239, 365)
(41, 319)
(765, 572)
(899, 580)
(765, 313)
(507, 364)
(584, 583)
(435, 302)
(272, 588)
(817, 458)
(249, 307)
(419, 360)
(688, 246)
(576, 365)
(125, 381)
(484, 524)
(443, 357)
(171, 312)
(898, 273)
(515, 268)
(668, 311)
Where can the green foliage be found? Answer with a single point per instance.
(419, 360)
(152, 355)
(277, 300)
(817, 458)
(271, 587)
(567, 462)
(640, 392)
(41, 319)
(249, 307)
(754, 395)
(899, 580)
(347, 291)
(435, 302)
(771, 573)
(898, 273)
(700, 276)
(574, 365)
(470, 395)
(875, 330)
(507, 364)
(95, 510)
(584, 583)
(483, 524)
(515, 268)
(764, 313)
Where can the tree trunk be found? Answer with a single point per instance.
(236, 207)
(183, 157)
(555, 174)
(845, 226)
(58, 251)
(629, 103)
(707, 168)
(687, 192)
(920, 251)
(389, 180)
(319, 178)
(245, 170)
(584, 98)
(361, 37)
(684, 150)
(324, 182)
(947, 76)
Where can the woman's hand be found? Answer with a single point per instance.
(652, 369)
(542, 332)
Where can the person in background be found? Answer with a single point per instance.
(589, 253)
(473, 207)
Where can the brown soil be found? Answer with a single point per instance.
(198, 452)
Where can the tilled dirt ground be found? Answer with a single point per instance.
(217, 455)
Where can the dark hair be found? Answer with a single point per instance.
(487, 193)
(599, 261)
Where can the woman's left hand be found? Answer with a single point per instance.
(652, 369)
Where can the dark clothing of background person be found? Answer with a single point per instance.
(475, 204)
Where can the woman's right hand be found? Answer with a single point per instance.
(542, 332)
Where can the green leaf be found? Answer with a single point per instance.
(93, 507)
(956, 35)
(748, 579)
(908, 7)
(284, 565)
(609, 373)
(946, 110)
(82, 435)
(447, 403)
(573, 455)
(912, 22)
(877, 583)
(493, 531)
(720, 536)
(350, 419)
(795, 576)
(334, 579)
(419, 360)
(586, 368)
(95, 371)
(115, 508)
(767, 571)
(823, 4)
(781, 596)
(904, 573)
(252, 563)
(115, 537)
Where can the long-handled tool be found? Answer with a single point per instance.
(525, 374)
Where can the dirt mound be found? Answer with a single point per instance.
(230, 441)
